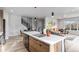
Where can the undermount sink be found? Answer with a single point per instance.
(70, 38)
(39, 35)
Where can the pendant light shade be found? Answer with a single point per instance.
(35, 18)
(52, 13)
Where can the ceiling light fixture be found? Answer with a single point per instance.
(35, 18)
(35, 7)
(52, 13)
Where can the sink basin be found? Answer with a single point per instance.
(40, 35)
(70, 38)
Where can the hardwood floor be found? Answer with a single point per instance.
(13, 44)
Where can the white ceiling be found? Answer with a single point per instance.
(42, 12)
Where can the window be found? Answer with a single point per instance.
(67, 27)
(72, 26)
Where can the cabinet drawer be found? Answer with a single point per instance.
(38, 45)
(32, 49)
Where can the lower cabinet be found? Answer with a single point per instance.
(26, 41)
(37, 46)
(56, 47)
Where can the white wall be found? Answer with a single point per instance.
(1, 24)
(14, 25)
(6, 17)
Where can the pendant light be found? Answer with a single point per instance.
(52, 14)
(35, 18)
(35, 7)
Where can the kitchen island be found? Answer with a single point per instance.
(35, 43)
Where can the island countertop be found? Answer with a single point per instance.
(53, 39)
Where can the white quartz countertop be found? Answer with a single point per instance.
(53, 39)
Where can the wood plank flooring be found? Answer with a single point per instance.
(13, 44)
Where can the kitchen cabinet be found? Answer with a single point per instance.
(26, 41)
(39, 46)
(56, 47)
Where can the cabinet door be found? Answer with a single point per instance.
(37, 46)
(26, 41)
